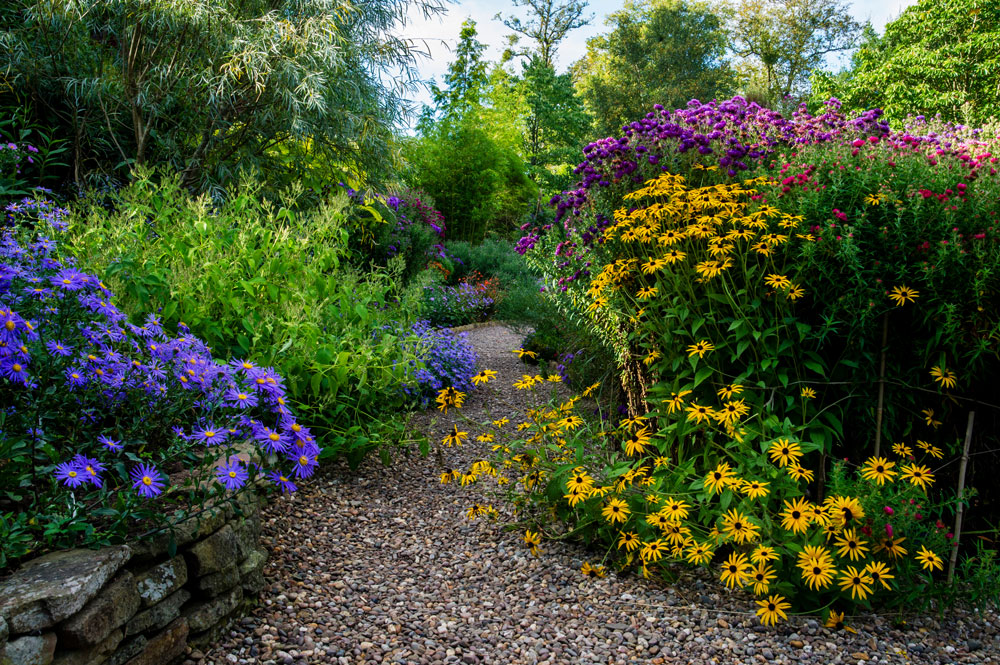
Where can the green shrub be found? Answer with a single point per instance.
(268, 282)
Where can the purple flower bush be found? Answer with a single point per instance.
(444, 359)
(732, 136)
(99, 413)
(444, 305)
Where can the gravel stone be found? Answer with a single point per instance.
(380, 565)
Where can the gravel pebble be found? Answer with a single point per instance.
(380, 565)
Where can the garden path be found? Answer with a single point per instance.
(381, 565)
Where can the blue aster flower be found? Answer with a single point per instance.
(147, 480)
(70, 474)
(233, 475)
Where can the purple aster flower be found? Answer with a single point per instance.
(241, 398)
(110, 444)
(232, 475)
(147, 480)
(210, 435)
(69, 279)
(10, 325)
(282, 481)
(58, 348)
(90, 469)
(14, 370)
(272, 442)
(305, 465)
(242, 365)
(75, 377)
(70, 474)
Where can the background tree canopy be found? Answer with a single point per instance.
(203, 85)
(937, 57)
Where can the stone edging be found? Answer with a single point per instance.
(135, 604)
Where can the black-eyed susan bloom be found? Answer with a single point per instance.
(902, 295)
(629, 540)
(851, 545)
(590, 570)
(676, 401)
(918, 475)
(761, 577)
(484, 376)
(455, 437)
(736, 570)
(902, 450)
(878, 469)
(720, 478)
(796, 515)
(944, 376)
(700, 413)
(646, 293)
(615, 510)
(808, 393)
(675, 509)
(738, 526)
(755, 489)
(653, 550)
(700, 348)
(892, 547)
(857, 582)
(784, 452)
(929, 418)
(800, 473)
(776, 281)
(532, 539)
(699, 553)
(929, 560)
(763, 553)
(521, 353)
(836, 622)
(880, 574)
(845, 509)
(772, 609)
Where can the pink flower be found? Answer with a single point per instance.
(888, 530)
(888, 510)
(857, 143)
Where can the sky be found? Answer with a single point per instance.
(437, 35)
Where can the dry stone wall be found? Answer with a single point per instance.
(139, 604)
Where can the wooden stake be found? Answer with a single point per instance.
(960, 508)
(881, 385)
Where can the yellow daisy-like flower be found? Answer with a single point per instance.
(850, 545)
(629, 540)
(484, 376)
(857, 582)
(653, 550)
(785, 452)
(893, 547)
(878, 469)
(930, 449)
(761, 577)
(928, 559)
(845, 509)
(673, 256)
(730, 391)
(763, 553)
(918, 474)
(646, 293)
(944, 376)
(796, 516)
(589, 570)
(532, 539)
(699, 553)
(720, 478)
(651, 358)
(808, 393)
(902, 450)
(521, 353)
(616, 510)
(700, 413)
(777, 281)
(731, 412)
(795, 292)
(755, 489)
(737, 526)
(880, 574)
(676, 401)
(873, 199)
(455, 437)
(700, 348)
(736, 570)
(836, 622)
(675, 509)
(902, 295)
(800, 473)
(929, 418)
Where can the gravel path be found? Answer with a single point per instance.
(382, 566)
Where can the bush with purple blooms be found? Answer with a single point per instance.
(445, 359)
(447, 306)
(109, 428)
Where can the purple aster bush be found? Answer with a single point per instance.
(442, 359)
(450, 306)
(109, 426)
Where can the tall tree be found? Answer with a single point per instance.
(783, 41)
(937, 57)
(466, 78)
(547, 24)
(657, 52)
(206, 85)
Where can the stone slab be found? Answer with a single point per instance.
(52, 588)
(130, 648)
(158, 615)
(220, 582)
(165, 647)
(206, 614)
(252, 573)
(31, 650)
(109, 610)
(217, 552)
(95, 655)
(160, 581)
